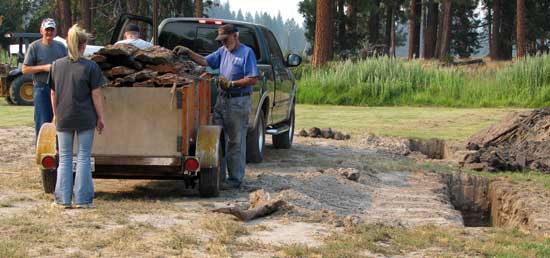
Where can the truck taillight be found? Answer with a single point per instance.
(203, 21)
(48, 162)
(191, 164)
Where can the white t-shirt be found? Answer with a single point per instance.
(139, 43)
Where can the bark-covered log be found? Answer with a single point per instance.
(145, 74)
(261, 205)
(118, 50)
(162, 68)
(169, 79)
(155, 55)
(98, 58)
(147, 84)
(121, 71)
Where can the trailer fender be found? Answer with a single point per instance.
(46, 144)
(208, 141)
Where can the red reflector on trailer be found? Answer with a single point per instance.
(48, 162)
(218, 22)
(202, 21)
(191, 164)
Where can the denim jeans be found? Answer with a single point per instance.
(42, 106)
(83, 187)
(232, 115)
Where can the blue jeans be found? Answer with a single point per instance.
(83, 187)
(232, 115)
(42, 106)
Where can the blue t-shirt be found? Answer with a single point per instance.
(235, 65)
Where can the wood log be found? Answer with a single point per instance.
(105, 66)
(118, 50)
(162, 68)
(121, 71)
(155, 55)
(145, 74)
(261, 205)
(147, 83)
(168, 80)
(98, 58)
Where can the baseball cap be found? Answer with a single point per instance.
(131, 27)
(48, 23)
(225, 30)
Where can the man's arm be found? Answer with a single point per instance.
(198, 58)
(246, 81)
(32, 69)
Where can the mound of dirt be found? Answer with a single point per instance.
(520, 141)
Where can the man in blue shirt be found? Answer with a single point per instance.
(238, 73)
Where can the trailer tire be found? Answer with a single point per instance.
(21, 91)
(284, 140)
(49, 177)
(209, 178)
(8, 100)
(255, 141)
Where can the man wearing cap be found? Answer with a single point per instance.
(38, 59)
(238, 73)
(131, 36)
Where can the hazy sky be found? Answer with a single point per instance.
(288, 8)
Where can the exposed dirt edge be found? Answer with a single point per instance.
(517, 205)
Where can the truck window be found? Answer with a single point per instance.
(274, 49)
(202, 37)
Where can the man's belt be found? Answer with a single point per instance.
(234, 94)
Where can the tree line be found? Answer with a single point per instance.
(436, 28)
(99, 17)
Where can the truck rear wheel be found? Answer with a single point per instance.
(284, 140)
(21, 91)
(255, 141)
(209, 178)
(49, 177)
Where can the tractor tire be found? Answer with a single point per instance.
(21, 91)
(210, 178)
(255, 141)
(284, 140)
(49, 177)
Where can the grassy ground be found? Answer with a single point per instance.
(417, 122)
(11, 115)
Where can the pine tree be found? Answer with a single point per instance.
(322, 51)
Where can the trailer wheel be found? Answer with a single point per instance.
(255, 141)
(49, 177)
(284, 140)
(21, 91)
(209, 178)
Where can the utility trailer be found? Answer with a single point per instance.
(150, 133)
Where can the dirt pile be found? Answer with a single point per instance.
(520, 141)
(127, 66)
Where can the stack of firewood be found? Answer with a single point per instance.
(127, 66)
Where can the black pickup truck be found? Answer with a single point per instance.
(273, 98)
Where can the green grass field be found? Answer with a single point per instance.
(11, 115)
(397, 82)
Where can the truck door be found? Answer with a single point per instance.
(145, 25)
(283, 84)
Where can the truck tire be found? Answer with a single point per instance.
(255, 141)
(49, 177)
(284, 140)
(21, 91)
(209, 178)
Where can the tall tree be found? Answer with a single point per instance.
(412, 29)
(198, 8)
(65, 16)
(430, 29)
(322, 50)
(86, 11)
(341, 26)
(374, 22)
(445, 29)
(495, 40)
(520, 28)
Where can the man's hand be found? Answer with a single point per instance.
(224, 83)
(181, 50)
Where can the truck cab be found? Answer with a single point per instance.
(273, 98)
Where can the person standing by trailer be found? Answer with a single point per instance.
(38, 59)
(76, 103)
(131, 36)
(238, 73)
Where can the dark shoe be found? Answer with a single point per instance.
(229, 185)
